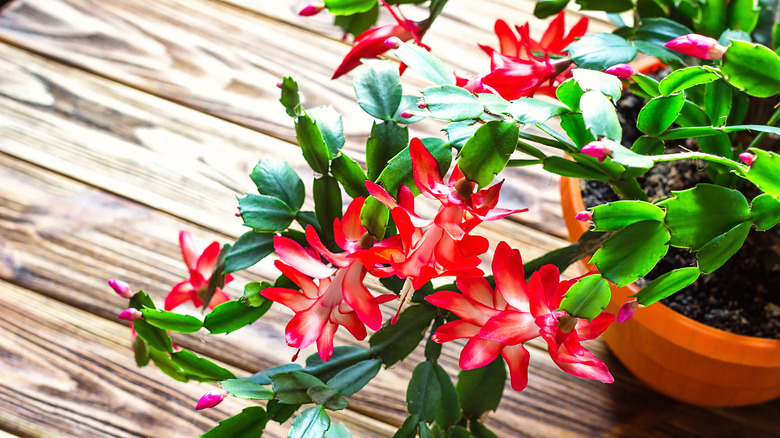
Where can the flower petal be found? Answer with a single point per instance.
(189, 251)
(219, 297)
(180, 293)
(462, 306)
(305, 327)
(510, 276)
(294, 255)
(510, 328)
(478, 353)
(359, 298)
(291, 298)
(325, 341)
(517, 357)
(207, 260)
(455, 330)
(593, 329)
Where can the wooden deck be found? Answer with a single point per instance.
(124, 121)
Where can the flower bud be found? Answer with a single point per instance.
(407, 114)
(211, 399)
(621, 71)
(393, 42)
(311, 10)
(130, 314)
(121, 288)
(422, 105)
(627, 310)
(584, 216)
(597, 149)
(747, 158)
(698, 46)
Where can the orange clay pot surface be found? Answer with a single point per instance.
(678, 356)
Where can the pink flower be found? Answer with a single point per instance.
(698, 46)
(211, 399)
(621, 71)
(597, 149)
(201, 267)
(121, 288)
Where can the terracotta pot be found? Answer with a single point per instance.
(677, 356)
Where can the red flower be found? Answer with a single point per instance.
(339, 298)
(201, 267)
(497, 322)
(522, 65)
(563, 332)
(492, 326)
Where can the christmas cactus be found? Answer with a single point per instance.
(408, 213)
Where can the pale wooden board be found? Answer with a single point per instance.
(169, 49)
(69, 373)
(61, 238)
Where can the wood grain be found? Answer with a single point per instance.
(168, 49)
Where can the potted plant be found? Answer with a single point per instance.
(434, 265)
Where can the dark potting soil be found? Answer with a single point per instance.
(743, 296)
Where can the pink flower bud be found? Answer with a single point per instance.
(278, 85)
(311, 10)
(747, 158)
(121, 288)
(627, 310)
(698, 46)
(393, 42)
(622, 71)
(130, 314)
(584, 216)
(597, 149)
(211, 399)
(422, 105)
(407, 114)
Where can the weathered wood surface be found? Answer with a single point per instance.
(225, 62)
(97, 178)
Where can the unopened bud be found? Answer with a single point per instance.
(698, 46)
(407, 114)
(597, 149)
(393, 42)
(311, 10)
(211, 399)
(621, 71)
(747, 158)
(584, 216)
(278, 85)
(422, 105)
(627, 310)
(130, 314)
(121, 288)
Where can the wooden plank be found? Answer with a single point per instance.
(166, 156)
(167, 49)
(66, 257)
(69, 373)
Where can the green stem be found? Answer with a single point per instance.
(545, 141)
(733, 165)
(629, 189)
(520, 163)
(771, 122)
